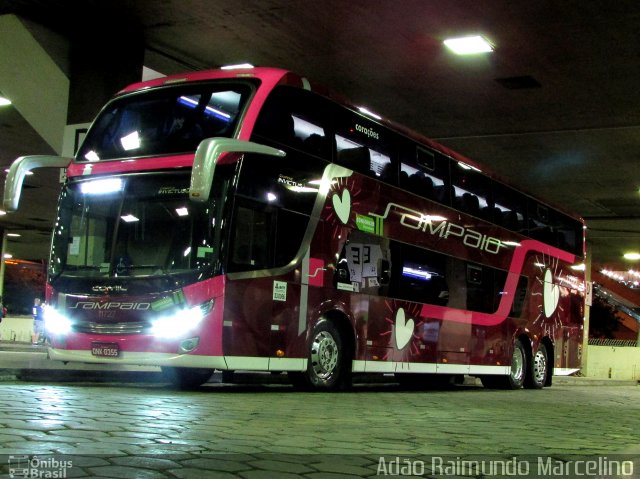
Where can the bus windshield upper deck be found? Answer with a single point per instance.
(170, 120)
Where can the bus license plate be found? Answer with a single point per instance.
(105, 350)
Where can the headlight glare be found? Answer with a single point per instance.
(55, 322)
(180, 322)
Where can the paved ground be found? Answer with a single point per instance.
(145, 429)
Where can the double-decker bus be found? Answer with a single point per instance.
(249, 220)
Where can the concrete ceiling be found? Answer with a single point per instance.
(555, 108)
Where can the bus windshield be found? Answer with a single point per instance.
(133, 226)
(171, 120)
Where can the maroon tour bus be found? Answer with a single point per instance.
(249, 220)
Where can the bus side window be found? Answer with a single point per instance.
(276, 123)
(471, 189)
(418, 275)
(555, 228)
(423, 172)
(480, 284)
(509, 208)
(569, 232)
(364, 263)
(357, 159)
(296, 118)
(485, 290)
(265, 237)
(251, 239)
(540, 227)
(521, 295)
(364, 146)
(290, 229)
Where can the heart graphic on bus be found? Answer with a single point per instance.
(403, 329)
(551, 294)
(342, 205)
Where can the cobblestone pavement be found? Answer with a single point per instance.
(257, 431)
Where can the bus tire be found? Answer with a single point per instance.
(516, 377)
(326, 359)
(187, 378)
(538, 370)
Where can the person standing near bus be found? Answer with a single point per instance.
(38, 324)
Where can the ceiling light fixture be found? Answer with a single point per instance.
(4, 100)
(129, 218)
(239, 66)
(633, 256)
(468, 45)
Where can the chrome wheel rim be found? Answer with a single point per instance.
(540, 367)
(517, 365)
(324, 355)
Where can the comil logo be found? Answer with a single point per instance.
(108, 289)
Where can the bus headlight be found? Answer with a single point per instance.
(180, 322)
(55, 322)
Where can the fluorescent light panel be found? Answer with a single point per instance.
(129, 218)
(239, 66)
(468, 45)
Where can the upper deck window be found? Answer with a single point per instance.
(424, 172)
(363, 145)
(166, 121)
(295, 118)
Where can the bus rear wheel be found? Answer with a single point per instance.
(187, 378)
(516, 377)
(326, 359)
(539, 369)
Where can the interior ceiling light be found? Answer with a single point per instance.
(632, 256)
(367, 112)
(468, 45)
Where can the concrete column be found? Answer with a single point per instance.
(2, 265)
(587, 310)
(34, 81)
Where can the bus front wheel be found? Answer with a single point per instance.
(326, 359)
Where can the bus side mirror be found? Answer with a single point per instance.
(213, 151)
(384, 271)
(19, 168)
